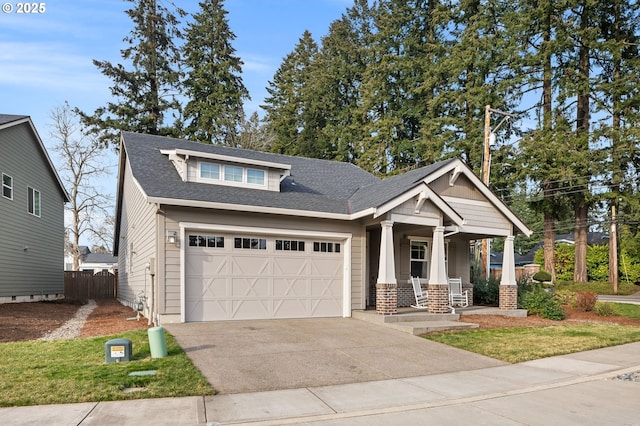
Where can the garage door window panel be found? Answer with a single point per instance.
(210, 241)
(326, 247)
(289, 245)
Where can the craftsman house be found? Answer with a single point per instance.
(209, 233)
(31, 216)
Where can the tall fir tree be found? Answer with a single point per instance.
(146, 88)
(338, 78)
(542, 149)
(213, 83)
(394, 101)
(478, 72)
(618, 86)
(292, 115)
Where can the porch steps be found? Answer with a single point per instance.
(418, 328)
(415, 322)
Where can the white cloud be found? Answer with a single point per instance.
(47, 66)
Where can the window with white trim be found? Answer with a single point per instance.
(7, 186)
(233, 173)
(255, 176)
(209, 171)
(33, 201)
(421, 258)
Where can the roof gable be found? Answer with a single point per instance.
(8, 120)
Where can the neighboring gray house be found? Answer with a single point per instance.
(31, 215)
(217, 233)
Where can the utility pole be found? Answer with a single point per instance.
(489, 138)
(484, 253)
(613, 250)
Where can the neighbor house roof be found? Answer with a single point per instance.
(99, 258)
(8, 118)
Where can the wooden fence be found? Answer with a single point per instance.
(85, 285)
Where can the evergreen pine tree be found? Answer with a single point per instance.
(291, 114)
(337, 82)
(145, 89)
(213, 85)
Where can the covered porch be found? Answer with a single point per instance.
(423, 226)
(398, 250)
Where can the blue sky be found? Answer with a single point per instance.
(46, 59)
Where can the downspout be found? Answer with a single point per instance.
(454, 232)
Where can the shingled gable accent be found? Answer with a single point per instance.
(457, 167)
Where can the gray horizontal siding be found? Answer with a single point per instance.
(32, 248)
(138, 239)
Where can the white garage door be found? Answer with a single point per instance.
(229, 277)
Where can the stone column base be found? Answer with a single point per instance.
(438, 301)
(386, 299)
(508, 297)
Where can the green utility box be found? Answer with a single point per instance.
(157, 342)
(117, 350)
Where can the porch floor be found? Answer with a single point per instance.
(417, 322)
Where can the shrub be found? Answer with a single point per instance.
(540, 302)
(542, 276)
(586, 300)
(565, 297)
(553, 311)
(604, 309)
(486, 292)
(598, 262)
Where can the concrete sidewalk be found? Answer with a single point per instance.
(578, 389)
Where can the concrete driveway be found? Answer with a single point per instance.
(265, 355)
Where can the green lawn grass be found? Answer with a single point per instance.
(626, 309)
(520, 344)
(69, 371)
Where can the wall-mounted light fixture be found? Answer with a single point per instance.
(172, 237)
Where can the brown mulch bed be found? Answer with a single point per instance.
(30, 321)
(574, 316)
(110, 317)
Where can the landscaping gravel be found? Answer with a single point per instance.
(71, 329)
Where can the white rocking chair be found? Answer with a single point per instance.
(421, 295)
(457, 297)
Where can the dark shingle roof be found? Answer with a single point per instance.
(386, 190)
(100, 258)
(314, 185)
(8, 118)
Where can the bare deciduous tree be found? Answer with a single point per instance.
(81, 167)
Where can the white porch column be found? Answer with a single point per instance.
(438, 288)
(386, 286)
(508, 285)
(438, 271)
(387, 264)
